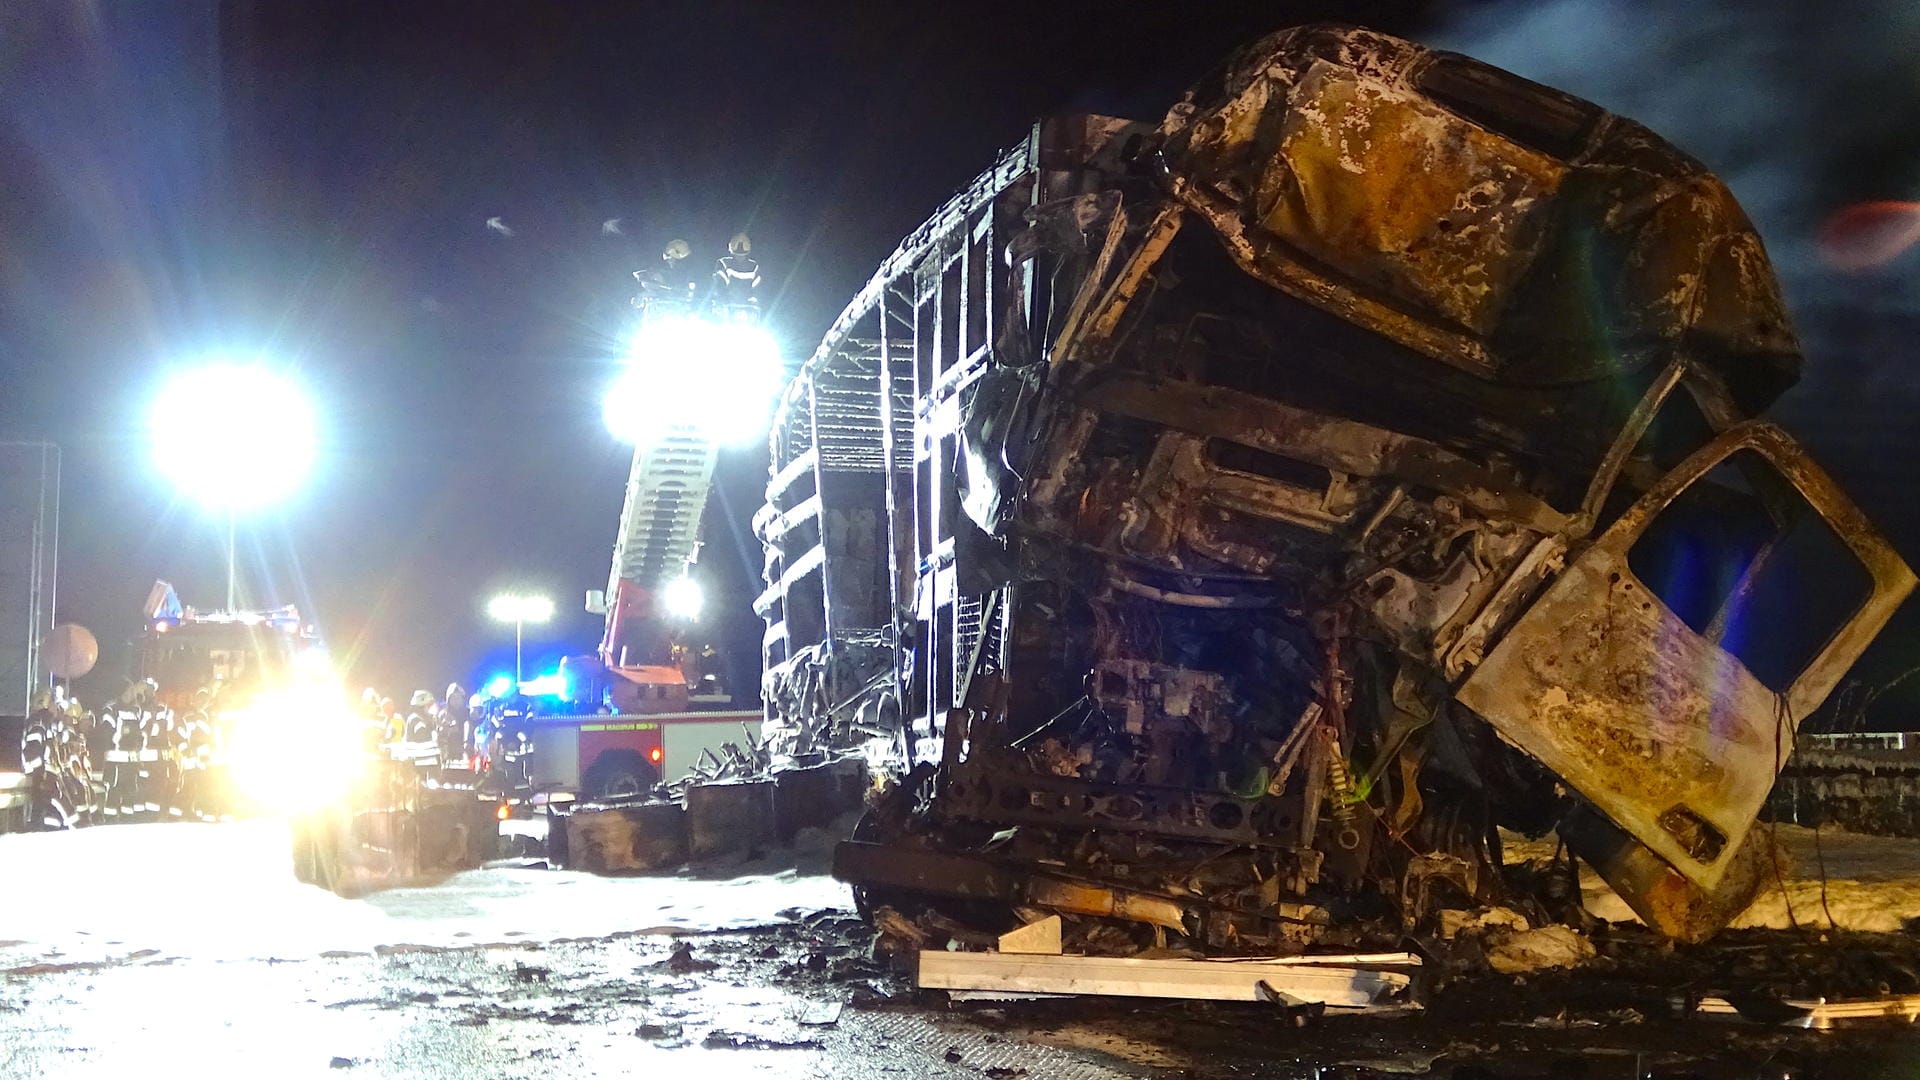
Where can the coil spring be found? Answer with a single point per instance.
(1344, 797)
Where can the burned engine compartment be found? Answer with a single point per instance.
(1219, 530)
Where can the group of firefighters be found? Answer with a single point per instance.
(136, 756)
(734, 285)
(132, 755)
(459, 726)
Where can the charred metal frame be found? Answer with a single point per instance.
(1206, 498)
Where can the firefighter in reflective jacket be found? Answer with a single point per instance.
(194, 739)
(736, 278)
(668, 281)
(129, 719)
(423, 717)
(455, 728)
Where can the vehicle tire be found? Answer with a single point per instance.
(618, 774)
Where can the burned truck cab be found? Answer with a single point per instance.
(1226, 526)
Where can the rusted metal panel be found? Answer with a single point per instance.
(1664, 730)
(1482, 219)
(1431, 210)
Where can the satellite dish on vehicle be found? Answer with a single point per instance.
(70, 651)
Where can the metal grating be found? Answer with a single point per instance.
(660, 523)
(857, 636)
(793, 426)
(967, 612)
(846, 417)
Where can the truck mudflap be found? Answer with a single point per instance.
(1665, 673)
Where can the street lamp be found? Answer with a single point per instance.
(234, 437)
(519, 610)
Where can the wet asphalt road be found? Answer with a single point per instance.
(189, 950)
(164, 950)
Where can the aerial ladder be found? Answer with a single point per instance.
(700, 368)
(659, 536)
(689, 389)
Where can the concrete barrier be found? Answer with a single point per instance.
(815, 796)
(626, 839)
(730, 818)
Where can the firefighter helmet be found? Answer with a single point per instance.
(677, 250)
(422, 699)
(739, 245)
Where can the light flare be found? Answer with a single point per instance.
(233, 436)
(683, 599)
(513, 608)
(295, 750)
(715, 380)
(1869, 235)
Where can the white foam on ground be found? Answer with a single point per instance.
(1872, 882)
(228, 890)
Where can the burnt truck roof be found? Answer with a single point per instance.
(1508, 229)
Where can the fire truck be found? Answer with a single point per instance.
(640, 712)
(602, 756)
(184, 649)
(199, 677)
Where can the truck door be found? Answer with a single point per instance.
(1664, 673)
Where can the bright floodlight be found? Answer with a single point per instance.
(714, 379)
(520, 609)
(311, 725)
(682, 598)
(233, 436)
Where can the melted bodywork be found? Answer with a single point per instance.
(1222, 528)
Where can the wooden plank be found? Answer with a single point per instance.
(1817, 1014)
(1198, 980)
(1374, 959)
(1040, 938)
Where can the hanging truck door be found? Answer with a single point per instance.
(1664, 673)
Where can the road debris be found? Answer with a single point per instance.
(820, 1014)
(1818, 1015)
(1333, 984)
(1456, 921)
(682, 961)
(1524, 951)
(1040, 937)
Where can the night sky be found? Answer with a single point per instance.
(313, 182)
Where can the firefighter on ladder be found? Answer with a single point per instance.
(666, 283)
(736, 278)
